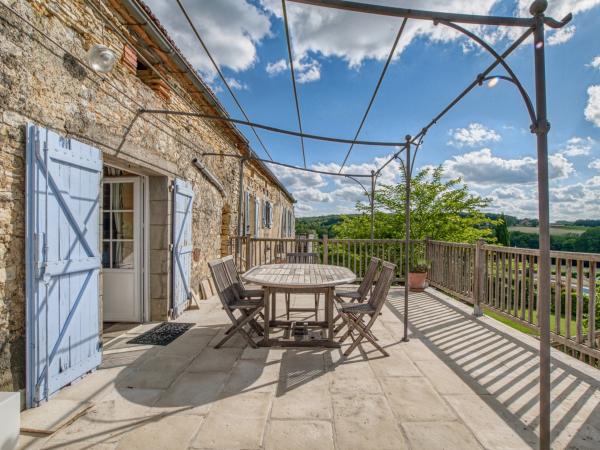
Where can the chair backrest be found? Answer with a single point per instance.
(234, 275)
(367, 281)
(382, 287)
(223, 283)
(302, 258)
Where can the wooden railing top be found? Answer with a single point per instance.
(580, 256)
(452, 244)
(553, 253)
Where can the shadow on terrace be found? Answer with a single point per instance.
(460, 382)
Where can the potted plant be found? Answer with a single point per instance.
(417, 275)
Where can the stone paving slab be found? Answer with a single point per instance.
(164, 433)
(191, 393)
(235, 421)
(459, 382)
(299, 435)
(366, 421)
(440, 435)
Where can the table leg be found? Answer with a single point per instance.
(329, 313)
(274, 305)
(267, 295)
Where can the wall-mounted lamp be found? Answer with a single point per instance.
(101, 58)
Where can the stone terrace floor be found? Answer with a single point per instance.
(459, 383)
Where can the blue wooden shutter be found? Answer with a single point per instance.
(270, 218)
(183, 199)
(62, 261)
(247, 213)
(256, 218)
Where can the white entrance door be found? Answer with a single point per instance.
(121, 249)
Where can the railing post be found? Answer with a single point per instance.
(325, 249)
(478, 275)
(248, 253)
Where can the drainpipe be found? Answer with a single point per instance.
(240, 207)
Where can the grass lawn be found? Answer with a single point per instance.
(518, 326)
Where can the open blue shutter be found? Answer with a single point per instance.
(183, 199)
(247, 213)
(62, 261)
(256, 218)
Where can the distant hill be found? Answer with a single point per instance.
(580, 235)
(319, 225)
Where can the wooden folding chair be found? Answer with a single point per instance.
(302, 258)
(354, 314)
(359, 295)
(238, 284)
(249, 308)
(240, 289)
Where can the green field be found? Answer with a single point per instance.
(554, 230)
(518, 326)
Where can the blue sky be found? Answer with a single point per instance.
(339, 56)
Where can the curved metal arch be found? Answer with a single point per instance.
(513, 78)
(351, 177)
(290, 166)
(268, 128)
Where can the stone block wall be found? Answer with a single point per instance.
(43, 80)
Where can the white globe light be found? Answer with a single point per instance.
(493, 82)
(101, 58)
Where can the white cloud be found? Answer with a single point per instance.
(595, 63)
(577, 146)
(562, 35)
(231, 29)
(389, 175)
(508, 192)
(302, 208)
(333, 33)
(595, 164)
(592, 109)
(312, 194)
(577, 200)
(275, 68)
(237, 85)
(475, 134)
(297, 179)
(351, 193)
(307, 70)
(481, 167)
(559, 8)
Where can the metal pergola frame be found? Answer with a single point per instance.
(537, 113)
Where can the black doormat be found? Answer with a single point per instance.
(162, 334)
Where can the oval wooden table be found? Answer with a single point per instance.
(298, 279)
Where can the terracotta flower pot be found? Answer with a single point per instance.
(417, 281)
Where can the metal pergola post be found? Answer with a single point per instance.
(532, 25)
(372, 199)
(541, 130)
(407, 176)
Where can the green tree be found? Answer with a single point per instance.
(440, 209)
(501, 231)
(589, 241)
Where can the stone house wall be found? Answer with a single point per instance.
(43, 80)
